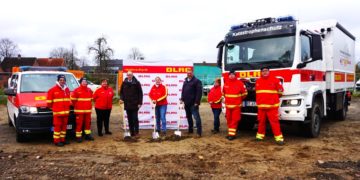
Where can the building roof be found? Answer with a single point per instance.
(115, 62)
(8, 63)
(205, 64)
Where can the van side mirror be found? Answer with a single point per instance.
(220, 47)
(9, 92)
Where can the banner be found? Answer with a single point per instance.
(172, 74)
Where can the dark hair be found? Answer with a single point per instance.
(264, 67)
(61, 76)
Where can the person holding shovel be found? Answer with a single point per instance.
(131, 95)
(158, 95)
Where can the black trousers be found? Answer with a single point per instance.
(133, 121)
(103, 117)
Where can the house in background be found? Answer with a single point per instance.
(113, 66)
(7, 65)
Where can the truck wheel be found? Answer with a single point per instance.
(341, 114)
(20, 137)
(312, 128)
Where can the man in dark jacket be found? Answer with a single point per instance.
(131, 95)
(191, 97)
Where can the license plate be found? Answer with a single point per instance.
(249, 104)
(69, 126)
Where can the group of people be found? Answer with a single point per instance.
(59, 100)
(268, 91)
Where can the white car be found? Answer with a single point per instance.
(93, 86)
(357, 85)
(206, 89)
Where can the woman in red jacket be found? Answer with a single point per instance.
(214, 99)
(158, 95)
(103, 104)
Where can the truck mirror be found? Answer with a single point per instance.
(9, 92)
(301, 65)
(316, 47)
(220, 53)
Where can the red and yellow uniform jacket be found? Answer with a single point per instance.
(58, 99)
(234, 91)
(268, 92)
(82, 100)
(214, 97)
(159, 94)
(103, 98)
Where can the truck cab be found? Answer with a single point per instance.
(313, 61)
(26, 104)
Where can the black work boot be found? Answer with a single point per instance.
(59, 144)
(89, 137)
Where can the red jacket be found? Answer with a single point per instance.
(59, 100)
(103, 98)
(159, 94)
(268, 92)
(214, 97)
(81, 98)
(234, 91)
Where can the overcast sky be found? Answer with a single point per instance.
(161, 29)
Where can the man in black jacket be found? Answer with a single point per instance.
(191, 97)
(131, 95)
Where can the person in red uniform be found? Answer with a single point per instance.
(214, 99)
(268, 92)
(158, 95)
(103, 97)
(58, 99)
(234, 91)
(81, 98)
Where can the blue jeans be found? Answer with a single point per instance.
(216, 113)
(160, 114)
(192, 110)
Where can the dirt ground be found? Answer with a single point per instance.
(334, 155)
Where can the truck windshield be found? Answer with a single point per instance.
(276, 52)
(32, 83)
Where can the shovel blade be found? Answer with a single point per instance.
(178, 133)
(127, 134)
(155, 135)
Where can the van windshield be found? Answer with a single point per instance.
(43, 82)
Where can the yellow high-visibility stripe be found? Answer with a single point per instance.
(232, 133)
(49, 101)
(279, 138)
(218, 100)
(82, 110)
(61, 112)
(163, 97)
(260, 136)
(268, 105)
(61, 100)
(62, 136)
(244, 94)
(232, 129)
(267, 91)
(82, 99)
(232, 95)
(56, 137)
(87, 131)
(232, 106)
(57, 133)
(63, 132)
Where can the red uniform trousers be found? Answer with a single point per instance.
(60, 126)
(233, 116)
(273, 115)
(82, 120)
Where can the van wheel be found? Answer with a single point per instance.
(312, 128)
(9, 121)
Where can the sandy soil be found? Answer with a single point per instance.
(334, 155)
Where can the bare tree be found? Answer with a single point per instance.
(8, 48)
(69, 56)
(135, 54)
(102, 52)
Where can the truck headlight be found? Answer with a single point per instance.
(28, 109)
(291, 102)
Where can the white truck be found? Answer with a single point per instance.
(314, 61)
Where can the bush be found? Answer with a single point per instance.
(204, 99)
(356, 94)
(2, 91)
(3, 99)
